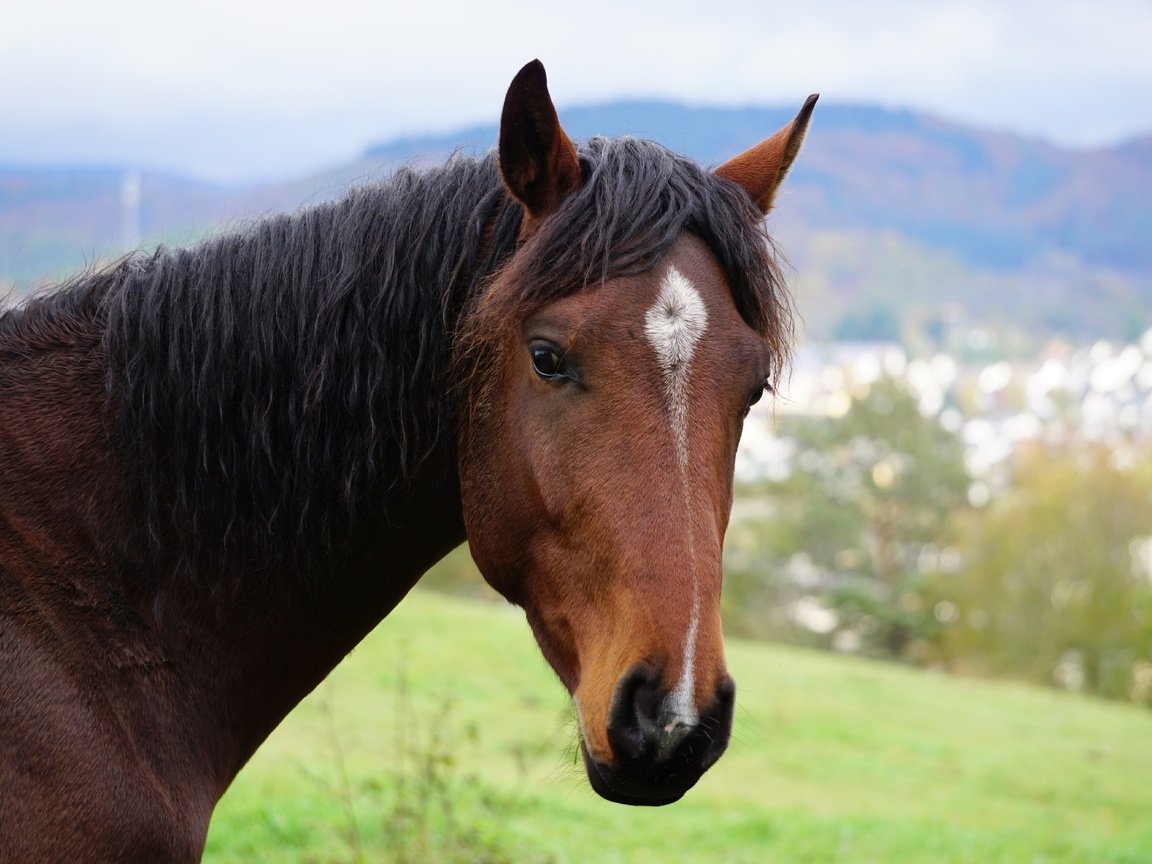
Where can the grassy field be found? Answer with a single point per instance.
(444, 737)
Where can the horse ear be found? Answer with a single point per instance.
(537, 160)
(761, 169)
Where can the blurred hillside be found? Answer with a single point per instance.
(899, 225)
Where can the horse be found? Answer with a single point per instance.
(221, 466)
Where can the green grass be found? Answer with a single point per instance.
(833, 759)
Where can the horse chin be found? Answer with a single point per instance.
(624, 787)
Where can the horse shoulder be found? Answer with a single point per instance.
(75, 784)
(80, 776)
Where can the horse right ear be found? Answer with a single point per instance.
(537, 160)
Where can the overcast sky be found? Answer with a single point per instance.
(235, 90)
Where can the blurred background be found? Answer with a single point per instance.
(955, 478)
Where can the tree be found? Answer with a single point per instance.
(869, 503)
(1058, 586)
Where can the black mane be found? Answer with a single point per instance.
(276, 384)
(277, 381)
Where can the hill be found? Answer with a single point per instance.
(993, 198)
(889, 215)
(447, 710)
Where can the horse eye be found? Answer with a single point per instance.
(767, 388)
(547, 362)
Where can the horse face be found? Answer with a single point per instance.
(597, 492)
(596, 464)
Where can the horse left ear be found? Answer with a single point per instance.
(761, 169)
(537, 160)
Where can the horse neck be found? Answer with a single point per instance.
(184, 671)
(273, 637)
(266, 636)
(257, 639)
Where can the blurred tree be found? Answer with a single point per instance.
(1058, 586)
(869, 502)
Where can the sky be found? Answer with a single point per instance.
(243, 90)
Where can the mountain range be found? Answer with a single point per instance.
(897, 224)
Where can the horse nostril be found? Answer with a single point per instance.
(634, 705)
(643, 721)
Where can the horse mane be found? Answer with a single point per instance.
(68, 316)
(280, 381)
(277, 384)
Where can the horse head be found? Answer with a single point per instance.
(598, 450)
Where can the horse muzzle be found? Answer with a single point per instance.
(658, 753)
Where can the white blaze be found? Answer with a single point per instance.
(674, 325)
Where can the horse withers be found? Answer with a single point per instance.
(221, 466)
